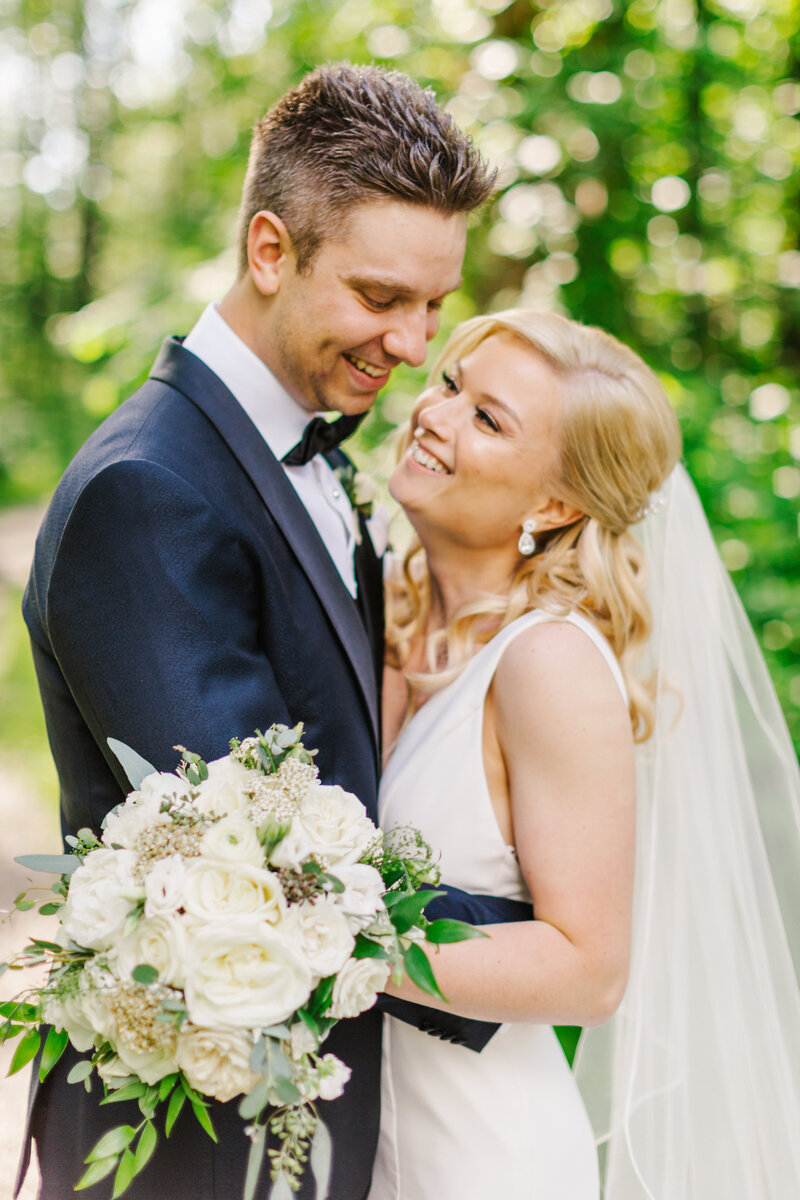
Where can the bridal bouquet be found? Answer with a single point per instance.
(229, 915)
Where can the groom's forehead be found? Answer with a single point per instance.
(399, 247)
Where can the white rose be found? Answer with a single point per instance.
(216, 1062)
(337, 825)
(301, 1041)
(156, 941)
(292, 850)
(123, 825)
(332, 1077)
(228, 787)
(242, 973)
(149, 1065)
(322, 933)
(232, 840)
(102, 892)
(112, 1068)
(357, 985)
(95, 1006)
(163, 886)
(362, 897)
(214, 890)
(163, 786)
(66, 1012)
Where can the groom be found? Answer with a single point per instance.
(201, 573)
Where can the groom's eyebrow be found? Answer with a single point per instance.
(396, 286)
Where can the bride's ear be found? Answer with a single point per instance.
(555, 514)
(269, 250)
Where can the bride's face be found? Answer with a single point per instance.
(484, 451)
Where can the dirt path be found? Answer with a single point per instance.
(28, 823)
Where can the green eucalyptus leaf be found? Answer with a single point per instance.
(57, 864)
(145, 974)
(252, 1104)
(81, 1070)
(319, 1160)
(285, 1090)
(134, 766)
(254, 1161)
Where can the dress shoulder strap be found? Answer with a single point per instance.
(486, 661)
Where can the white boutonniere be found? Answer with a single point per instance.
(362, 491)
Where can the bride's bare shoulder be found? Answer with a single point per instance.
(554, 667)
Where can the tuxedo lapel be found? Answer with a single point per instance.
(185, 372)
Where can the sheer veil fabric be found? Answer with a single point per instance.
(694, 1086)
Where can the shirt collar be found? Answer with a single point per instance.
(276, 415)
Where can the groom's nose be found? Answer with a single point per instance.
(408, 338)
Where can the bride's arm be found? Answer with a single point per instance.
(565, 739)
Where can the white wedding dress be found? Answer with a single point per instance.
(456, 1125)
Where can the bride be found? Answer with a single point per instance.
(520, 703)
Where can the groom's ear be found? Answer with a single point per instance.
(269, 250)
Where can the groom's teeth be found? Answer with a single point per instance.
(367, 368)
(427, 460)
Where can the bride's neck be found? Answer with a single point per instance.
(458, 576)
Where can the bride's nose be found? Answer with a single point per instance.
(434, 418)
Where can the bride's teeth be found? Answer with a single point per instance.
(427, 460)
(367, 368)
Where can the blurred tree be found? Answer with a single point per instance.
(649, 159)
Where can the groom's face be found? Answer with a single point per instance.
(370, 301)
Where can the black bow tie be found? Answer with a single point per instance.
(321, 436)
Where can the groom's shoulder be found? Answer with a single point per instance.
(157, 441)
(158, 426)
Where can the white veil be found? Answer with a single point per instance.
(694, 1086)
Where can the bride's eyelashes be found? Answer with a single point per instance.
(487, 419)
(453, 388)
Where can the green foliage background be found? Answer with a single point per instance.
(649, 156)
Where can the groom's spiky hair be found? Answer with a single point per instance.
(346, 135)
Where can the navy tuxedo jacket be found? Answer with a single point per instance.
(180, 594)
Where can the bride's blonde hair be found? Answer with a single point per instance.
(618, 442)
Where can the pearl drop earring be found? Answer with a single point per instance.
(527, 543)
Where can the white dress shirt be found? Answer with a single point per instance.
(281, 422)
